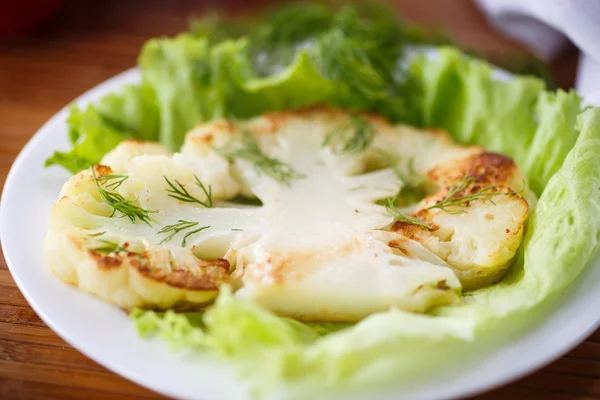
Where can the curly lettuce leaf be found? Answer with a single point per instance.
(91, 137)
(197, 81)
(556, 112)
(568, 208)
(515, 117)
(133, 110)
(556, 144)
(256, 331)
(98, 128)
(187, 90)
(299, 85)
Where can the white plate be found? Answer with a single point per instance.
(103, 332)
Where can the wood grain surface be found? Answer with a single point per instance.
(88, 42)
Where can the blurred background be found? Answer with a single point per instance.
(53, 50)
(103, 37)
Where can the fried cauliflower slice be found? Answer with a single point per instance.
(321, 245)
(476, 218)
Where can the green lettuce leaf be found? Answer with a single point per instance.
(516, 117)
(91, 137)
(557, 112)
(133, 111)
(100, 127)
(299, 85)
(187, 90)
(257, 330)
(196, 82)
(555, 143)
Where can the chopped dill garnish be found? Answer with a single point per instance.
(122, 205)
(112, 181)
(413, 187)
(409, 178)
(353, 138)
(454, 204)
(249, 150)
(181, 225)
(398, 216)
(412, 178)
(179, 192)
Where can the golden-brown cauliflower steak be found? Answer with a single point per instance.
(320, 247)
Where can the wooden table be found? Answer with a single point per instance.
(88, 42)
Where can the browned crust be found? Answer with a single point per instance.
(485, 168)
(102, 170)
(205, 140)
(204, 275)
(207, 137)
(296, 265)
(222, 124)
(319, 111)
(440, 285)
(407, 230)
(108, 261)
(275, 119)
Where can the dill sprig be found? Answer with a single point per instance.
(398, 216)
(251, 151)
(122, 205)
(454, 204)
(356, 136)
(412, 178)
(112, 181)
(181, 225)
(179, 192)
(413, 187)
(109, 247)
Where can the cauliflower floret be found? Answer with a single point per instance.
(476, 218)
(134, 277)
(119, 158)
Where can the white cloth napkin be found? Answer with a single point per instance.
(546, 27)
